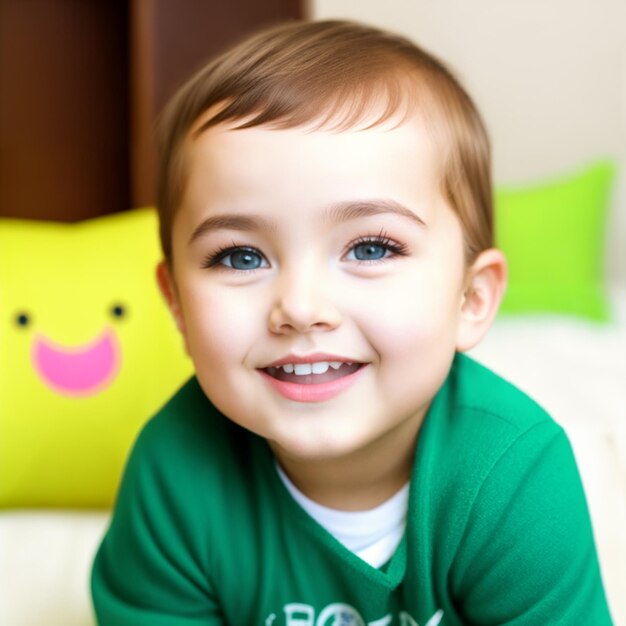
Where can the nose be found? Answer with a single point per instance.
(303, 304)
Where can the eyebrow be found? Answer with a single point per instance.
(338, 212)
(246, 223)
(350, 210)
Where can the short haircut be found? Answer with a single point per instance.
(333, 75)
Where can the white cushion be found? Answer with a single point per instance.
(45, 561)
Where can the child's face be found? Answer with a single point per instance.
(322, 247)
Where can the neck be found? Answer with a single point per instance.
(360, 480)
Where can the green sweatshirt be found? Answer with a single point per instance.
(204, 532)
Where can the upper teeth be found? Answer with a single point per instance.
(303, 369)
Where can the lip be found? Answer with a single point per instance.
(310, 358)
(319, 392)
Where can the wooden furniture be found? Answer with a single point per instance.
(81, 84)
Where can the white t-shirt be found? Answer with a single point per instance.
(372, 535)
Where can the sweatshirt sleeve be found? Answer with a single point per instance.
(528, 555)
(151, 566)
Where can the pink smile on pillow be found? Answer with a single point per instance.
(77, 370)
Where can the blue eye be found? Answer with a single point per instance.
(243, 260)
(372, 248)
(369, 251)
(237, 259)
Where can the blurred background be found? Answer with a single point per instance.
(81, 84)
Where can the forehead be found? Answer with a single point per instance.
(398, 151)
(300, 181)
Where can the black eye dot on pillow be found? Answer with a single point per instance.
(22, 319)
(118, 311)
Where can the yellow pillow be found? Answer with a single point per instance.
(88, 353)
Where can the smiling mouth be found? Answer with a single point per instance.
(83, 370)
(312, 373)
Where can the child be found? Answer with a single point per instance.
(326, 222)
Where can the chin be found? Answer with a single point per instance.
(315, 448)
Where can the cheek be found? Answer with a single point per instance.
(411, 325)
(409, 337)
(415, 347)
(220, 327)
(222, 331)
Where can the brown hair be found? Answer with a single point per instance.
(333, 74)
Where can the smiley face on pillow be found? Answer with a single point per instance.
(88, 353)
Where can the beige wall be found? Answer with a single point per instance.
(548, 75)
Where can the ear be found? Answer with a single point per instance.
(168, 288)
(484, 288)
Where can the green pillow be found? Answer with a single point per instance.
(553, 234)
